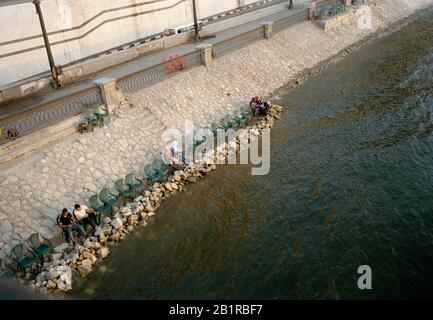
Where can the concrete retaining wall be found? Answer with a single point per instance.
(81, 28)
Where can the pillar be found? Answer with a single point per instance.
(268, 26)
(109, 93)
(205, 53)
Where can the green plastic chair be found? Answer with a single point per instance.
(194, 145)
(200, 139)
(91, 118)
(41, 248)
(110, 199)
(23, 258)
(246, 112)
(330, 10)
(100, 114)
(341, 7)
(230, 122)
(97, 205)
(241, 118)
(237, 117)
(159, 165)
(7, 270)
(123, 189)
(151, 174)
(318, 14)
(134, 184)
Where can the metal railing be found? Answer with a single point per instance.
(290, 21)
(326, 8)
(237, 42)
(158, 73)
(50, 113)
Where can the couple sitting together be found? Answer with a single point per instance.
(80, 217)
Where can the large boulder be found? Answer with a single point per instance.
(72, 257)
(106, 230)
(64, 282)
(117, 223)
(85, 267)
(102, 239)
(98, 231)
(104, 252)
(61, 286)
(90, 256)
(138, 208)
(59, 277)
(126, 212)
(88, 244)
(56, 256)
(139, 198)
(51, 285)
(41, 277)
(56, 272)
(132, 219)
(62, 247)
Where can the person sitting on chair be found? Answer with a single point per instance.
(68, 224)
(172, 156)
(84, 215)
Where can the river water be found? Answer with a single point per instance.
(351, 183)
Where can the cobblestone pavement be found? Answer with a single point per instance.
(34, 190)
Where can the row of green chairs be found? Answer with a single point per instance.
(239, 117)
(157, 170)
(25, 258)
(104, 202)
(95, 116)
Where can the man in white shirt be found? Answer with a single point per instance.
(84, 215)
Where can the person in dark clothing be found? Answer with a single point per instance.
(69, 224)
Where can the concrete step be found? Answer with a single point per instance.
(27, 144)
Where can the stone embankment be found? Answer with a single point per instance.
(66, 263)
(34, 190)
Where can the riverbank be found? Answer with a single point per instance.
(34, 190)
(66, 264)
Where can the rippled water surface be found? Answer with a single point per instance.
(351, 183)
